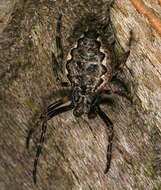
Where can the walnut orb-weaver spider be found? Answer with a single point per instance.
(89, 70)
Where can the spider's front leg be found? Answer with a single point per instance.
(41, 118)
(57, 61)
(109, 124)
(52, 111)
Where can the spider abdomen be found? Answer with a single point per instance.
(86, 68)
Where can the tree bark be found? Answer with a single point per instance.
(74, 151)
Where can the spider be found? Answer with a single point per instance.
(89, 70)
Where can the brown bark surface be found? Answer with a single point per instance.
(74, 153)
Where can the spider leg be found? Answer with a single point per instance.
(60, 54)
(124, 58)
(31, 131)
(109, 124)
(39, 148)
(57, 61)
(51, 113)
(50, 108)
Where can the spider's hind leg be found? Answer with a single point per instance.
(122, 88)
(57, 61)
(122, 60)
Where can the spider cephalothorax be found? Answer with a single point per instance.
(88, 69)
(83, 102)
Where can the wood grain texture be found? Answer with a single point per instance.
(74, 153)
(150, 15)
